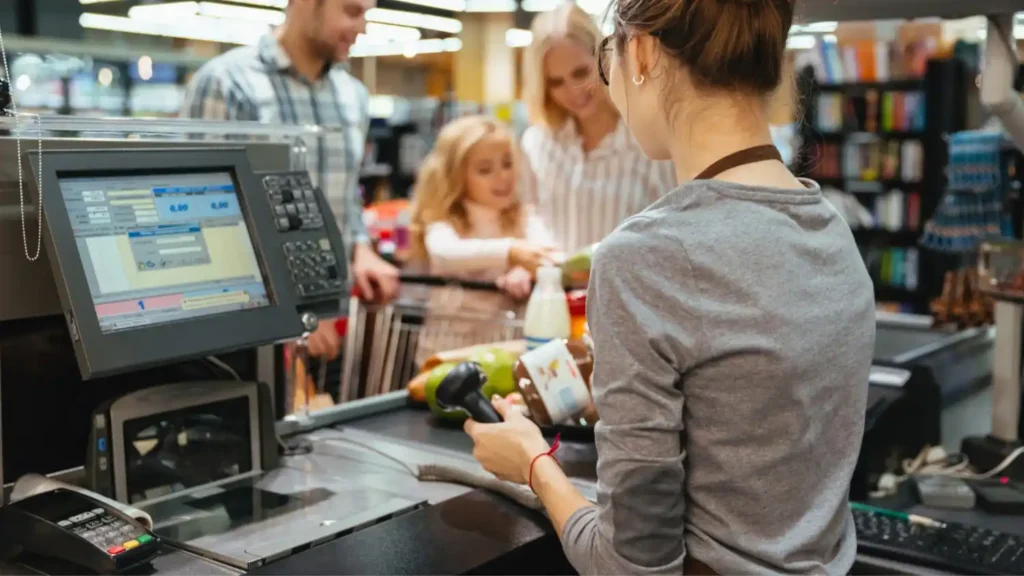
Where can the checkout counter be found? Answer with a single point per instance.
(143, 333)
(168, 268)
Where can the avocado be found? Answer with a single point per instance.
(497, 366)
(443, 415)
(576, 269)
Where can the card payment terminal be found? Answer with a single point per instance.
(78, 529)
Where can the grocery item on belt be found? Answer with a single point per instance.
(496, 364)
(554, 381)
(576, 268)
(547, 313)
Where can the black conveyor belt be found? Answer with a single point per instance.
(416, 425)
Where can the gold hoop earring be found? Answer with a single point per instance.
(638, 82)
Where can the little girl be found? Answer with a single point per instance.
(469, 223)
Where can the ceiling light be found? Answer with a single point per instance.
(145, 68)
(402, 18)
(279, 4)
(23, 82)
(518, 38)
(96, 1)
(819, 27)
(490, 6)
(451, 5)
(801, 42)
(589, 6)
(232, 12)
(105, 76)
(196, 28)
(429, 46)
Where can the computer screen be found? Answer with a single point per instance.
(160, 248)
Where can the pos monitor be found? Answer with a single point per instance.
(161, 256)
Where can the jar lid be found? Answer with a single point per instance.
(577, 302)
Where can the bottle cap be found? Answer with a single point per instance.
(549, 275)
(577, 302)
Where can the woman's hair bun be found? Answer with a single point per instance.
(724, 44)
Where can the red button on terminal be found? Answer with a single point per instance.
(115, 550)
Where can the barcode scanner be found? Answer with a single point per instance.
(461, 389)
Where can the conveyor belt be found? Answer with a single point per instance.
(415, 425)
(891, 342)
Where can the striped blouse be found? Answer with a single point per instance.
(583, 196)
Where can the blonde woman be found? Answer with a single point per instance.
(585, 172)
(469, 223)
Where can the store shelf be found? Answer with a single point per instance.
(856, 186)
(885, 293)
(892, 86)
(895, 239)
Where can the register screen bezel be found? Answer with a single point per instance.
(102, 354)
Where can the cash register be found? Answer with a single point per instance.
(162, 257)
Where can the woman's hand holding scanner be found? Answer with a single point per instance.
(516, 283)
(509, 448)
(529, 256)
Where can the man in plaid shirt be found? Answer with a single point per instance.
(296, 75)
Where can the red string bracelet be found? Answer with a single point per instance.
(551, 453)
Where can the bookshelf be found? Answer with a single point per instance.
(882, 143)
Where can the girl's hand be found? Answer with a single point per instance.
(517, 283)
(529, 256)
(507, 449)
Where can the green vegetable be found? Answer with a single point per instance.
(444, 415)
(576, 269)
(497, 366)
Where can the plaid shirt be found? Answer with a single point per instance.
(259, 84)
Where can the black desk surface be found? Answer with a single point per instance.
(476, 533)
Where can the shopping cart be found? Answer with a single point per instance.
(385, 346)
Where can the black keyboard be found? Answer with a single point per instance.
(955, 548)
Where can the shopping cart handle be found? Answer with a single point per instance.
(453, 282)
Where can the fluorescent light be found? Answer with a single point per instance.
(195, 28)
(426, 21)
(84, 2)
(518, 38)
(23, 82)
(820, 27)
(232, 12)
(452, 5)
(490, 6)
(801, 42)
(429, 46)
(589, 6)
(280, 4)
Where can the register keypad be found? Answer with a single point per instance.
(106, 531)
(314, 267)
(293, 200)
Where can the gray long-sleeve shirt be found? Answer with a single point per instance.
(733, 330)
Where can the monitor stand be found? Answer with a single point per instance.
(300, 417)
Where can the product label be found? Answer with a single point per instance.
(558, 380)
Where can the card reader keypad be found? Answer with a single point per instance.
(105, 531)
(314, 267)
(293, 201)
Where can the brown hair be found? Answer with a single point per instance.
(733, 45)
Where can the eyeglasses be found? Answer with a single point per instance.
(604, 50)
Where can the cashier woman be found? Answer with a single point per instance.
(733, 324)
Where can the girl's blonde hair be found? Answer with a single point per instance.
(441, 182)
(569, 22)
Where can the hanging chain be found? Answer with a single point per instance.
(21, 179)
